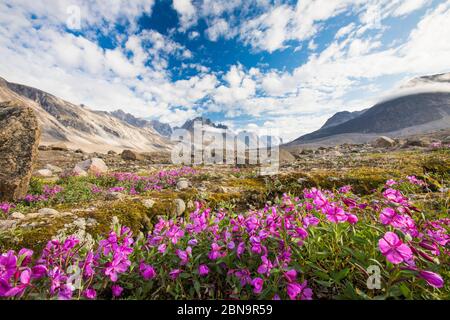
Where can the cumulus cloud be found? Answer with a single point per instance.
(186, 12)
(219, 28)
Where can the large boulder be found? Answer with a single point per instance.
(384, 142)
(19, 141)
(131, 155)
(93, 166)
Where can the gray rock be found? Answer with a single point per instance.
(93, 166)
(182, 184)
(17, 215)
(48, 211)
(54, 169)
(131, 155)
(180, 207)
(19, 141)
(111, 196)
(44, 173)
(7, 224)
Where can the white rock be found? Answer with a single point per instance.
(17, 215)
(182, 184)
(7, 224)
(45, 173)
(93, 166)
(48, 211)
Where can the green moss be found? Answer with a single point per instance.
(132, 214)
(34, 238)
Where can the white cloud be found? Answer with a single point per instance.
(193, 35)
(240, 87)
(267, 31)
(219, 28)
(187, 13)
(409, 6)
(217, 8)
(344, 30)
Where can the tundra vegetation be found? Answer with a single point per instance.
(317, 230)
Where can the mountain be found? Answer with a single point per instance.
(420, 105)
(189, 124)
(130, 119)
(163, 129)
(79, 127)
(411, 114)
(341, 117)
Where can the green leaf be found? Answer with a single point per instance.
(338, 276)
(405, 291)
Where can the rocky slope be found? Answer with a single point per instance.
(78, 126)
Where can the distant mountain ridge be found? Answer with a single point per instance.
(80, 127)
(163, 129)
(408, 112)
(412, 113)
(341, 117)
(189, 124)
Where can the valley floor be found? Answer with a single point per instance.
(142, 194)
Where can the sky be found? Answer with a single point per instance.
(279, 65)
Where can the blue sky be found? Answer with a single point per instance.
(283, 65)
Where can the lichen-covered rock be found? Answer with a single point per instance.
(19, 141)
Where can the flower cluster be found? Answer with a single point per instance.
(221, 254)
(49, 192)
(135, 184)
(6, 207)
